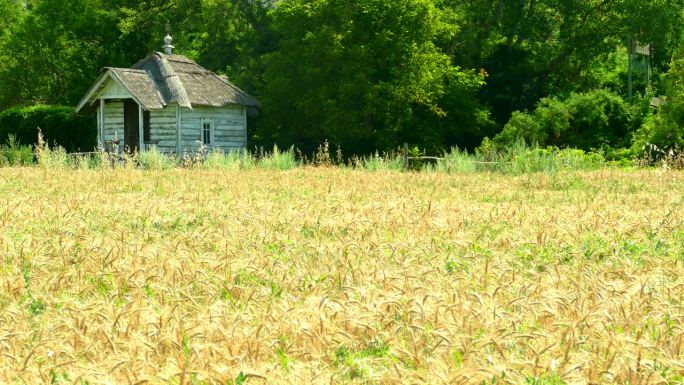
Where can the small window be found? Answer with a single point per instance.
(207, 128)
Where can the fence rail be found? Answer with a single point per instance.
(407, 158)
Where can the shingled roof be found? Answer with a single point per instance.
(161, 79)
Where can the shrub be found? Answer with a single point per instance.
(152, 159)
(590, 120)
(232, 160)
(377, 162)
(456, 161)
(61, 126)
(279, 160)
(14, 154)
(665, 129)
(519, 158)
(50, 157)
(84, 161)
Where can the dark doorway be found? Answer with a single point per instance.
(131, 125)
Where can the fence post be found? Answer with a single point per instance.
(405, 154)
(261, 152)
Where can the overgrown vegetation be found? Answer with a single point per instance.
(59, 126)
(517, 159)
(332, 275)
(665, 128)
(554, 73)
(598, 119)
(14, 154)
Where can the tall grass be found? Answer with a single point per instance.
(377, 162)
(231, 160)
(47, 157)
(152, 159)
(518, 158)
(457, 161)
(279, 160)
(14, 154)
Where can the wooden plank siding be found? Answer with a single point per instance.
(113, 90)
(230, 127)
(114, 121)
(163, 128)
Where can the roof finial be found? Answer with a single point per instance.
(168, 47)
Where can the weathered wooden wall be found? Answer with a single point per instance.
(163, 128)
(113, 90)
(230, 127)
(114, 121)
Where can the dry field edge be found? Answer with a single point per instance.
(340, 276)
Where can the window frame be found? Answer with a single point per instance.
(203, 123)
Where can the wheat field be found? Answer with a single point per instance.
(337, 276)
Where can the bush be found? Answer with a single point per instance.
(591, 120)
(519, 158)
(232, 160)
(665, 129)
(60, 126)
(279, 160)
(552, 159)
(14, 154)
(85, 161)
(456, 161)
(48, 157)
(377, 162)
(152, 159)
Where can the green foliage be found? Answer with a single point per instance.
(457, 161)
(279, 160)
(60, 126)
(550, 379)
(352, 73)
(240, 379)
(518, 158)
(351, 361)
(551, 160)
(232, 160)
(152, 159)
(533, 49)
(54, 158)
(14, 154)
(369, 75)
(283, 359)
(377, 162)
(56, 51)
(515, 159)
(665, 129)
(87, 161)
(589, 120)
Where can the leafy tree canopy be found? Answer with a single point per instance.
(370, 74)
(357, 72)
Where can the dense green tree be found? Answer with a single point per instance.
(59, 47)
(358, 73)
(226, 36)
(533, 49)
(10, 12)
(665, 128)
(56, 49)
(371, 74)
